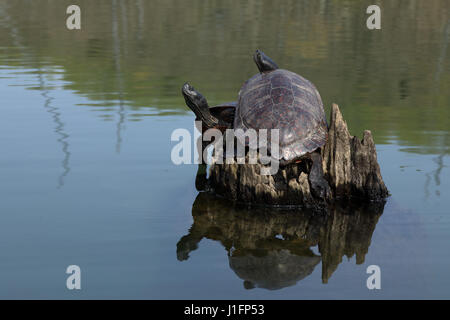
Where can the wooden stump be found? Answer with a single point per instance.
(350, 166)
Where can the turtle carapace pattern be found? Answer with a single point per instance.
(281, 99)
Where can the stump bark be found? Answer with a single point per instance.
(350, 167)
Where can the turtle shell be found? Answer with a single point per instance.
(283, 100)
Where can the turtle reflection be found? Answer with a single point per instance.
(272, 250)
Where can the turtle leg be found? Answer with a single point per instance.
(225, 112)
(188, 243)
(201, 179)
(198, 104)
(319, 185)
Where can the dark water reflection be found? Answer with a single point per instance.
(86, 176)
(271, 249)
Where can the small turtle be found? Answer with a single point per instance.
(219, 117)
(275, 99)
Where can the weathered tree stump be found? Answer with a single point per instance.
(349, 165)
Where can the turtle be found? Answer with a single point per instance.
(280, 99)
(218, 117)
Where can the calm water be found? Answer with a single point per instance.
(85, 170)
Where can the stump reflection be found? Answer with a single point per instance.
(270, 248)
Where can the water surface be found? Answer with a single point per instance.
(85, 170)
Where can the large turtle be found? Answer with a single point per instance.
(274, 99)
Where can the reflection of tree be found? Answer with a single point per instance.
(443, 54)
(348, 232)
(164, 43)
(273, 249)
(439, 160)
(118, 70)
(18, 42)
(59, 127)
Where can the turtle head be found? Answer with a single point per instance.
(263, 62)
(193, 98)
(198, 104)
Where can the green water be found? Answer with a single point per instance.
(86, 176)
